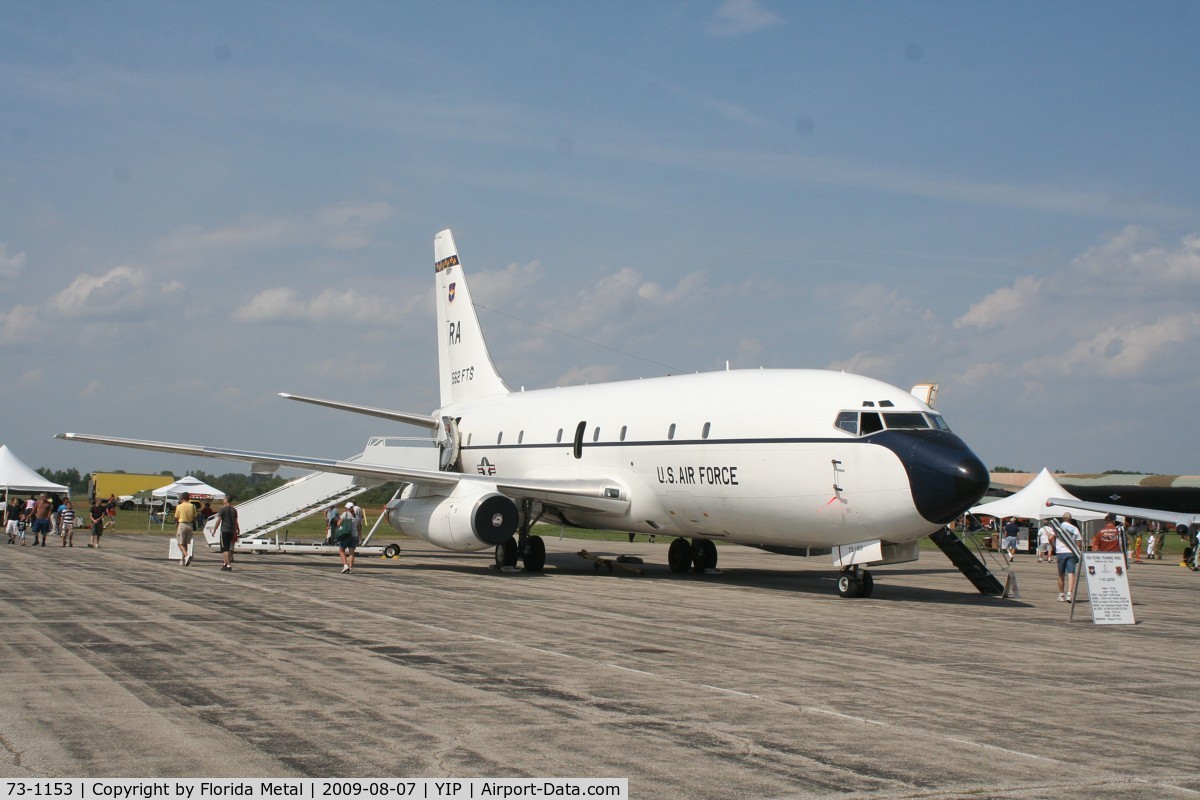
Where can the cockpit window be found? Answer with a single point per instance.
(905, 420)
(848, 421)
(867, 422)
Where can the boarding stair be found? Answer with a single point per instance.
(308, 494)
(313, 492)
(969, 556)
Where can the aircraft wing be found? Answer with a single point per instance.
(1158, 515)
(588, 495)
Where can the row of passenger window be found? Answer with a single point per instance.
(581, 429)
(862, 423)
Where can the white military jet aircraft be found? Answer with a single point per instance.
(801, 462)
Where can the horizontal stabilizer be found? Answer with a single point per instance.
(420, 420)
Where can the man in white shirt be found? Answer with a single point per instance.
(1068, 561)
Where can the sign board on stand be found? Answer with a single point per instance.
(1108, 588)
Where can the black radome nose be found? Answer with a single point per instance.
(945, 476)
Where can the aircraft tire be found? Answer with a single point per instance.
(392, 551)
(534, 557)
(704, 555)
(679, 556)
(848, 585)
(868, 584)
(506, 553)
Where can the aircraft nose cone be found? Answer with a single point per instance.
(945, 476)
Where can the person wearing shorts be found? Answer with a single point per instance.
(1044, 534)
(1068, 562)
(97, 518)
(1009, 542)
(185, 518)
(347, 538)
(66, 523)
(228, 520)
(41, 520)
(12, 521)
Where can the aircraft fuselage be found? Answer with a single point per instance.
(748, 456)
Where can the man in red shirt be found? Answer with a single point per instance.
(1108, 538)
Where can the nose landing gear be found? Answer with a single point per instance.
(855, 582)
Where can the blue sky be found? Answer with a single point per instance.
(203, 204)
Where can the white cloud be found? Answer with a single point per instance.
(116, 293)
(330, 306)
(271, 305)
(511, 284)
(346, 226)
(1001, 305)
(1119, 352)
(1130, 262)
(20, 324)
(10, 265)
(739, 17)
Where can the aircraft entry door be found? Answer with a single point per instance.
(449, 444)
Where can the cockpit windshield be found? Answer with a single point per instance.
(862, 423)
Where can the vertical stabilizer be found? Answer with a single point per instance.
(465, 369)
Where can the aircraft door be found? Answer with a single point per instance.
(450, 446)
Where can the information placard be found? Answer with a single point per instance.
(1108, 588)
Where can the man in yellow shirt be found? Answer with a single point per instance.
(185, 515)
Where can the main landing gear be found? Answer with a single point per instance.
(855, 582)
(530, 550)
(699, 555)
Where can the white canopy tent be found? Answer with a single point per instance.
(197, 490)
(1030, 502)
(16, 476)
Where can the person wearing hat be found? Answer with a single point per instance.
(1068, 562)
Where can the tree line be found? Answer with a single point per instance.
(242, 486)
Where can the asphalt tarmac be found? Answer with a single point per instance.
(758, 682)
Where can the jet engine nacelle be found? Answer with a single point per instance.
(460, 521)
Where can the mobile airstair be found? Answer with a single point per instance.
(263, 518)
(966, 554)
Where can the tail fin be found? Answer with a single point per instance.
(464, 366)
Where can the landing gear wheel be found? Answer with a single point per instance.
(534, 557)
(868, 584)
(849, 585)
(679, 556)
(506, 553)
(704, 555)
(391, 551)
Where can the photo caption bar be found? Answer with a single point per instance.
(312, 788)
